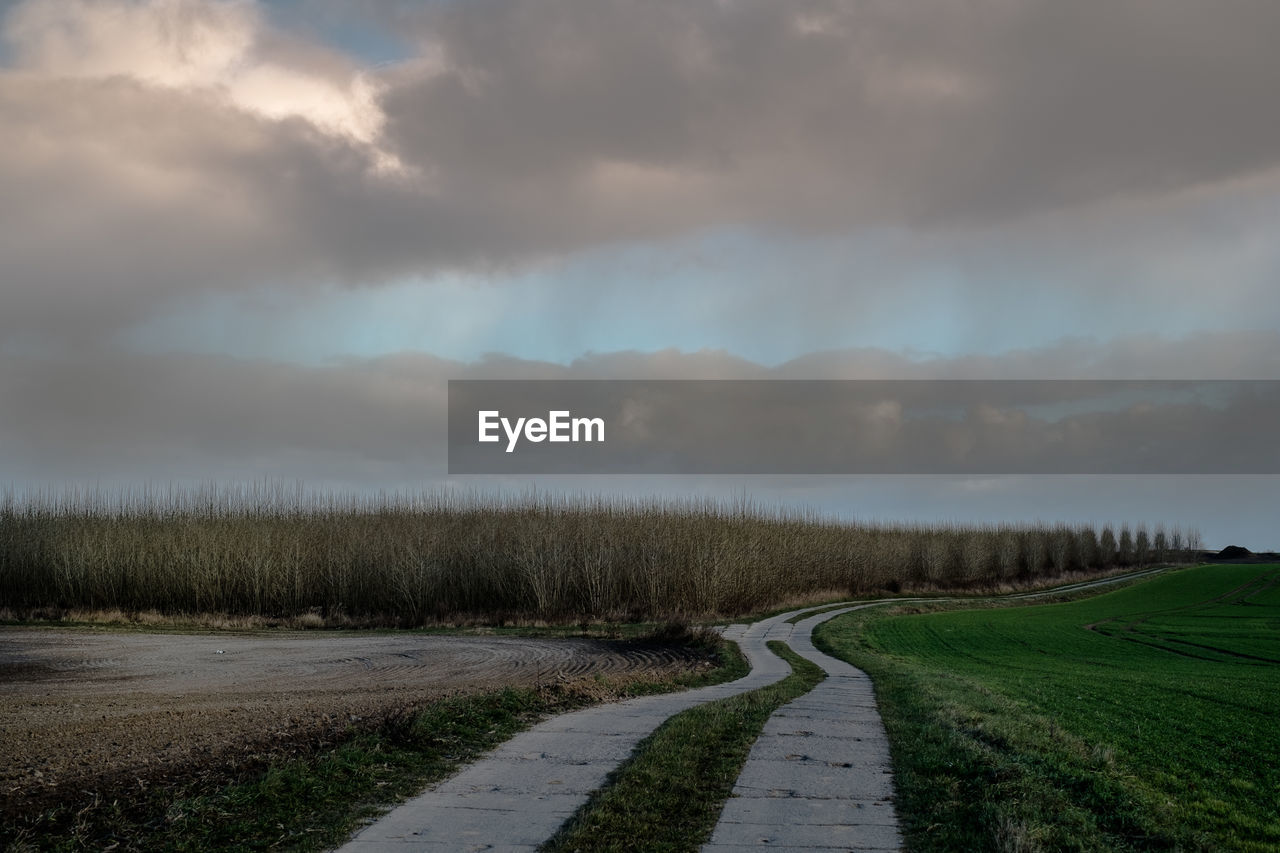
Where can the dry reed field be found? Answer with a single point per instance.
(408, 560)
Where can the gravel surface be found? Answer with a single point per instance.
(82, 709)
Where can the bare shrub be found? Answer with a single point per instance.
(282, 555)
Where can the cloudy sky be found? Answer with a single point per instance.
(245, 239)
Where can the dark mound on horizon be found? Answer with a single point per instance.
(1239, 554)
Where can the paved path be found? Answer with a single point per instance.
(520, 794)
(819, 776)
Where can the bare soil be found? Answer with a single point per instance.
(82, 710)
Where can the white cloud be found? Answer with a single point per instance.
(218, 47)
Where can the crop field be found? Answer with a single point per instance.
(1145, 718)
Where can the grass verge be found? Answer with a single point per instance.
(152, 621)
(1132, 720)
(669, 794)
(315, 801)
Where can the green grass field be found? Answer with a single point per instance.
(1143, 719)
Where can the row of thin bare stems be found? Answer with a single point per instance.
(409, 559)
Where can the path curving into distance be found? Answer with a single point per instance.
(519, 795)
(818, 778)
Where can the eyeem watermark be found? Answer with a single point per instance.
(558, 426)
(931, 427)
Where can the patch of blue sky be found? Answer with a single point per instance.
(357, 29)
(450, 319)
(763, 297)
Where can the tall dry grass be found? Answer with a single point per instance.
(271, 550)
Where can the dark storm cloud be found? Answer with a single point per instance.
(827, 114)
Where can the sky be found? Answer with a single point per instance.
(245, 240)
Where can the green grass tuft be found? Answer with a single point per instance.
(671, 791)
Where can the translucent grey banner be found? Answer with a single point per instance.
(864, 427)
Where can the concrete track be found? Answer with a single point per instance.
(818, 778)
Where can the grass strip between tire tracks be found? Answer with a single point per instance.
(315, 801)
(669, 794)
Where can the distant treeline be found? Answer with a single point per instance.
(407, 560)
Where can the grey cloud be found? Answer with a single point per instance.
(829, 114)
(1216, 355)
(580, 123)
(118, 416)
(119, 196)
